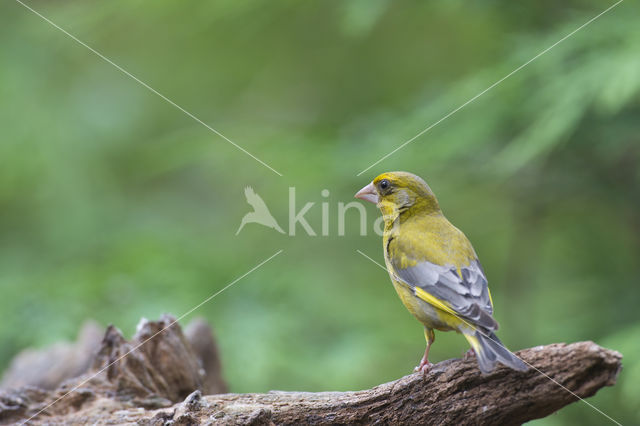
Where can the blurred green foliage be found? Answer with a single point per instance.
(115, 205)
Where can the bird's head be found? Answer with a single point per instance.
(397, 192)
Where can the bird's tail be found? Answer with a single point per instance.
(489, 350)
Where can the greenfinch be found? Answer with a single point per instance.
(434, 269)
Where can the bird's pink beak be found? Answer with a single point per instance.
(368, 193)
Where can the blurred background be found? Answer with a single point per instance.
(114, 205)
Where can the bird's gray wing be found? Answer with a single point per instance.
(467, 295)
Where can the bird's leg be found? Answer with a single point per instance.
(469, 354)
(424, 366)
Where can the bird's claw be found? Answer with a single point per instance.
(424, 366)
(469, 354)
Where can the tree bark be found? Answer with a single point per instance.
(145, 386)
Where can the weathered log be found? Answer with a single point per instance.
(48, 368)
(141, 387)
(202, 340)
(160, 366)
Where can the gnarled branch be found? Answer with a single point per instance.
(145, 386)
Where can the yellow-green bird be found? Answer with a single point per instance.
(434, 268)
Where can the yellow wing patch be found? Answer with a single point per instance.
(444, 312)
(432, 300)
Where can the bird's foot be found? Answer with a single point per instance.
(424, 366)
(468, 355)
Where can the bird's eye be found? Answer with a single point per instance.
(384, 184)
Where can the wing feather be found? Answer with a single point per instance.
(467, 293)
